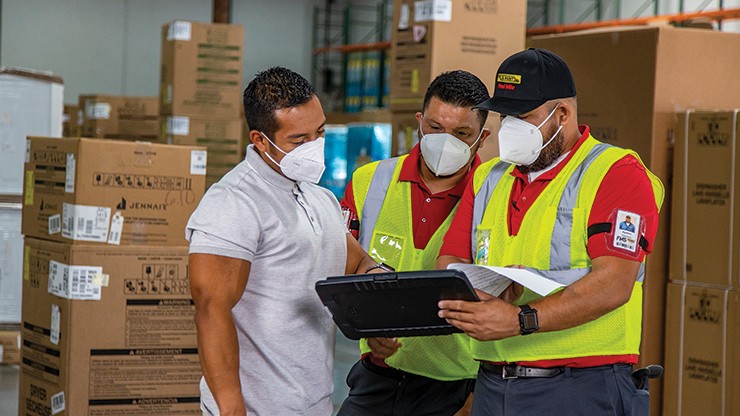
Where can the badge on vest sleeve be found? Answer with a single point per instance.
(626, 230)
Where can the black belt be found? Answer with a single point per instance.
(517, 371)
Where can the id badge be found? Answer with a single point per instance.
(387, 249)
(482, 245)
(627, 228)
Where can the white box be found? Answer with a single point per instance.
(11, 262)
(31, 104)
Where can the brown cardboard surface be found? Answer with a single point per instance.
(120, 117)
(10, 343)
(78, 189)
(71, 120)
(201, 72)
(131, 352)
(630, 82)
(476, 38)
(701, 358)
(222, 138)
(705, 234)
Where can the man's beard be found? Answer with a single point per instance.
(549, 154)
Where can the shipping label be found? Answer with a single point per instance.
(85, 223)
(74, 282)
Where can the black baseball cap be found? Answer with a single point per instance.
(528, 79)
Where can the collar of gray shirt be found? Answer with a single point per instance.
(268, 174)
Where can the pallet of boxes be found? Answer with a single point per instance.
(30, 103)
(117, 117)
(107, 323)
(703, 297)
(201, 91)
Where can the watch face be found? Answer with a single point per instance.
(529, 320)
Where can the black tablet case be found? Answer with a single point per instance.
(393, 304)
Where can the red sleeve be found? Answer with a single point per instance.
(457, 240)
(625, 187)
(348, 202)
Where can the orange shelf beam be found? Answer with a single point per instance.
(359, 47)
(725, 14)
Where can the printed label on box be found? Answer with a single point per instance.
(55, 323)
(57, 403)
(28, 200)
(55, 224)
(116, 228)
(403, 20)
(69, 180)
(85, 223)
(179, 31)
(74, 282)
(178, 125)
(433, 10)
(28, 150)
(97, 111)
(198, 162)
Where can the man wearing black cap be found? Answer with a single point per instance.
(550, 204)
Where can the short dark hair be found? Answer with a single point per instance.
(459, 88)
(271, 90)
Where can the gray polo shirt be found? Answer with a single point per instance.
(292, 233)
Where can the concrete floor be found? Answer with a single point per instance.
(347, 353)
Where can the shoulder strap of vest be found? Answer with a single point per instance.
(374, 199)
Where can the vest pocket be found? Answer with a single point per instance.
(387, 248)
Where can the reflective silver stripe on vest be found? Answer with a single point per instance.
(374, 199)
(482, 198)
(560, 243)
(564, 277)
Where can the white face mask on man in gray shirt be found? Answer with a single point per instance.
(304, 163)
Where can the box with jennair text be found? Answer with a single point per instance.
(96, 191)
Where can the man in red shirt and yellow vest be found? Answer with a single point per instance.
(551, 204)
(403, 207)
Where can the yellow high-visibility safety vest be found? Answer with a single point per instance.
(386, 233)
(552, 242)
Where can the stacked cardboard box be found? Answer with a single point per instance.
(10, 344)
(703, 298)
(630, 98)
(107, 322)
(119, 117)
(201, 90)
(71, 120)
(429, 38)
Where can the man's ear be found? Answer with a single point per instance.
(259, 140)
(483, 136)
(565, 113)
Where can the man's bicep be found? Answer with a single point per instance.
(217, 281)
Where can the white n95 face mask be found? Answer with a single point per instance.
(520, 142)
(444, 154)
(304, 163)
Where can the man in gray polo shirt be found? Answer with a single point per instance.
(259, 240)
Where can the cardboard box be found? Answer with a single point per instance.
(113, 332)
(120, 117)
(11, 262)
(705, 233)
(110, 191)
(71, 121)
(30, 105)
(222, 138)
(201, 69)
(702, 358)
(630, 99)
(10, 347)
(429, 37)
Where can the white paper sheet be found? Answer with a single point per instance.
(488, 278)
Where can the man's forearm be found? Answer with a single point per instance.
(218, 349)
